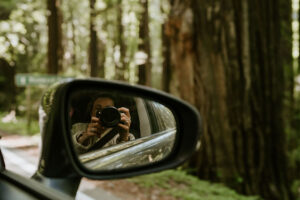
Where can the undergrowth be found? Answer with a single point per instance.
(19, 126)
(183, 186)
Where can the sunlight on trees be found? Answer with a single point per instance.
(295, 28)
(23, 37)
(232, 60)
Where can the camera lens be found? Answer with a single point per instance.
(98, 113)
(109, 116)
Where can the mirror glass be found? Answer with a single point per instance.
(114, 130)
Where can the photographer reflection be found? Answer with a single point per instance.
(104, 118)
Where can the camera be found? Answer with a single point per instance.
(109, 116)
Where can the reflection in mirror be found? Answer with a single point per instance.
(115, 131)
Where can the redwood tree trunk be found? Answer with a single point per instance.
(121, 66)
(74, 44)
(166, 73)
(93, 47)
(226, 59)
(55, 50)
(144, 46)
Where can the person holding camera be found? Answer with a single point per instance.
(104, 118)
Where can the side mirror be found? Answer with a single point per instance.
(105, 130)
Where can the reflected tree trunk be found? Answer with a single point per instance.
(226, 60)
(55, 49)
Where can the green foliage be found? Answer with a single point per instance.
(294, 156)
(23, 36)
(35, 98)
(19, 126)
(6, 6)
(293, 139)
(183, 186)
(295, 189)
(26, 122)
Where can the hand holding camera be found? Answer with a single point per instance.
(124, 126)
(116, 117)
(108, 117)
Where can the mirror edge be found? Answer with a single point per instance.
(187, 120)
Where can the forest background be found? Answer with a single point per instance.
(236, 61)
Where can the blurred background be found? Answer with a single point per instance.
(236, 61)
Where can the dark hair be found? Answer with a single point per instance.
(102, 95)
(94, 98)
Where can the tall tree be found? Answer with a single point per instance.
(7, 86)
(166, 73)
(73, 39)
(228, 55)
(179, 41)
(93, 46)
(144, 46)
(55, 49)
(101, 60)
(121, 66)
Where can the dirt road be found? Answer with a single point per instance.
(21, 154)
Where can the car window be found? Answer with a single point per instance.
(160, 116)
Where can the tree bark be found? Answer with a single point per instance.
(93, 47)
(55, 49)
(74, 43)
(144, 46)
(101, 60)
(121, 66)
(228, 57)
(166, 72)
(7, 86)
(179, 29)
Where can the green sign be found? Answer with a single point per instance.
(38, 79)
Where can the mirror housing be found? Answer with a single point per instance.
(58, 158)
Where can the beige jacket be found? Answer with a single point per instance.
(79, 128)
